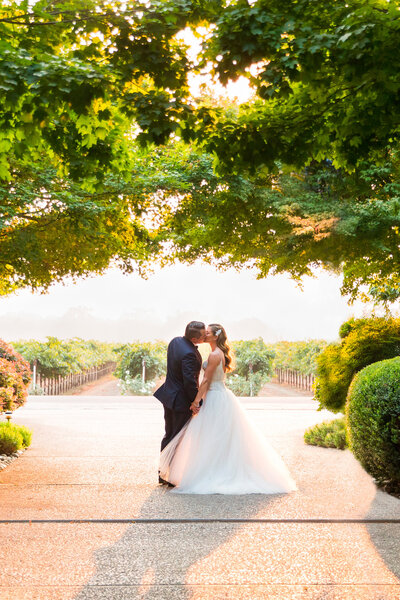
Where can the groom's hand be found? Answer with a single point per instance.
(194, 408)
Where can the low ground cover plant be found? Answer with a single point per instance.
(329, 434)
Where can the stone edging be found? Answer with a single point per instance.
(6, 459)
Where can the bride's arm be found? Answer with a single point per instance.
(213, 361)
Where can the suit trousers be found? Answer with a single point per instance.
(174, 421)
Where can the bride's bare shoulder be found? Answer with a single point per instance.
(214, 356)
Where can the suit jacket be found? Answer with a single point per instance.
(182, 381)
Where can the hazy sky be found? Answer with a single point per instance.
(117, 307)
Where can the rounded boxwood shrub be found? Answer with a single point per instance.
(373, 421)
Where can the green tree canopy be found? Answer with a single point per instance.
(174, 206)
(307, 171)
(294, 221)
(325, 75)
(80, 79)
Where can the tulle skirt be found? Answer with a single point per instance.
(219, 451)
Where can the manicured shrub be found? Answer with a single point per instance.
(11, 439)
(329, 434)
(364, 341)
(15, 377)
(373, 421)
(333, 378)
(26, 435)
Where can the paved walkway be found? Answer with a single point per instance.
(108, 531)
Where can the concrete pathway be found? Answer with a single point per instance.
(106, 529)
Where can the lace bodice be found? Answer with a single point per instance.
(218, 375)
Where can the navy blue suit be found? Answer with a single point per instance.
(180, 387)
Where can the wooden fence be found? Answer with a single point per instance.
(53, 386)
(295, 378)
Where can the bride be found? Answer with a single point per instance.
(219, 451)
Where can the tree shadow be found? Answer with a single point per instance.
(155, 555)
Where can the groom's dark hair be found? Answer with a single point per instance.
(193, 329)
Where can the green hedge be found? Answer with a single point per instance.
(364, 341)
(373, 421)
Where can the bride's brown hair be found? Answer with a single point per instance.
(223, 345)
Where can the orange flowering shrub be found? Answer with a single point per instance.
(15, 376)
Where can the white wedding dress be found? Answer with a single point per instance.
(219, 451)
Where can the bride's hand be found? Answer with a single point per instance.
(194, 408)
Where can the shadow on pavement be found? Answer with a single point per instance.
(157, 554)
(383, 536)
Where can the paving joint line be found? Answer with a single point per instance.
(200, 585)
(194, 521)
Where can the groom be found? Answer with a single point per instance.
(182, 381)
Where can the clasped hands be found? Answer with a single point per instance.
(194, 407)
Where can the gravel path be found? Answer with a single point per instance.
(105, 386)
(276, 389)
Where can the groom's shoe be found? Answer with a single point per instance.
(164, 482)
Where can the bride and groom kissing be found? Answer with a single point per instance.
(210, 445)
